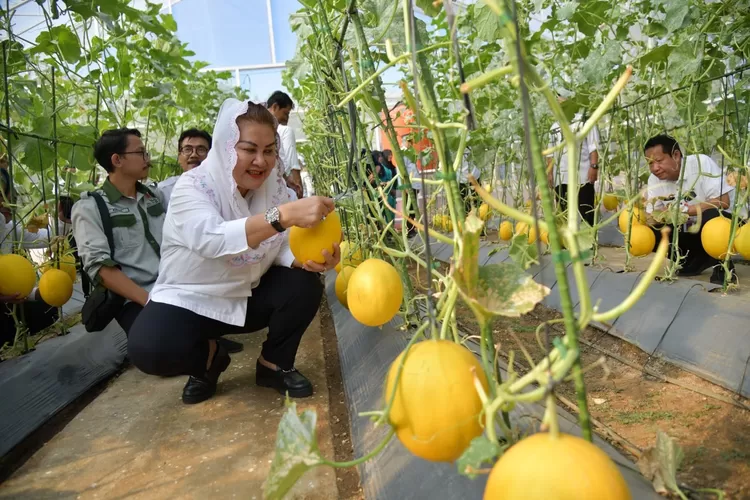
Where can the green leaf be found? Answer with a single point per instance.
(676, 14)
(296, 452)
(480, 451)
(488, 26)
(522, 252)
(657, 55)
(428, 7)
(38, 154)
(169, 22)
(686, 59)
(495, 290)
(567, 10)
(602, 62)
(659, 464)
(655, 29)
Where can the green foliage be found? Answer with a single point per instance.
(136, 74)
(480, 451)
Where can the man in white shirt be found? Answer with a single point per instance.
(585, 173)
(193, 146)
(281, 105)
(704, 189)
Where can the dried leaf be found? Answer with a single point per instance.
(502, 289)
(659, 464)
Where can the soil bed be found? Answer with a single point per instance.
(347, 479)
(714, 435)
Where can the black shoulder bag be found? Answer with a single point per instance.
(103, 305)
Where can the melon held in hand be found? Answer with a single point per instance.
(17, 276)
(309, 243)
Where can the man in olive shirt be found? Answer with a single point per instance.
(137, 214)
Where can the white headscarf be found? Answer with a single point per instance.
(214, 178)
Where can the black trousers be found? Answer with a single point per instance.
(168, 340)
(690, 246)
(405, 204)
(127, 316)
(37, 315)
(586, 200)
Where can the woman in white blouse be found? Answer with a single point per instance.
(226, 265)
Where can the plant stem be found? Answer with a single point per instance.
(360, 460)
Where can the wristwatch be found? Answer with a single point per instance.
(595, 166)
(273, 217)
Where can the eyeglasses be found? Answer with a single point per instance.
(145, 154)
(200, 150)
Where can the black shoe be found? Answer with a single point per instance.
(199, 389)
(231, 346)
(696, 269)
(717, 277)
(284, 381)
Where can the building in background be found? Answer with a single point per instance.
(252, 39)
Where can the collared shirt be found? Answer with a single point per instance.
(588, 146)
(166, 186)
(205, 266)
(136, 227)
(26, 238)
(288, 149)
(702, 180)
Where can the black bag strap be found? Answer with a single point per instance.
(106, 221)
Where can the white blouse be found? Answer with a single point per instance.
(206, 263)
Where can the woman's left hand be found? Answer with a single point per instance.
(330, 263)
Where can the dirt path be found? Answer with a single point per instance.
(138, 440)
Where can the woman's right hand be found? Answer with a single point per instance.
(306, 212)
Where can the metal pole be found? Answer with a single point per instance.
(54, 147)
(9, 137)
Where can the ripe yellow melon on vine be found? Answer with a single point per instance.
(610, 202)
(309, 243)
(17, 276)
(642, 240)
(506, 230)
(523, 228)
(447, 223)
(544, 236)
(349, 256)
(715, 237)
(533, 469)
(55, 287)
(436, 411)
(742, 242)
(484, 211)
(342, 284)
(375, 292)
(639, 217)
(67, 264)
